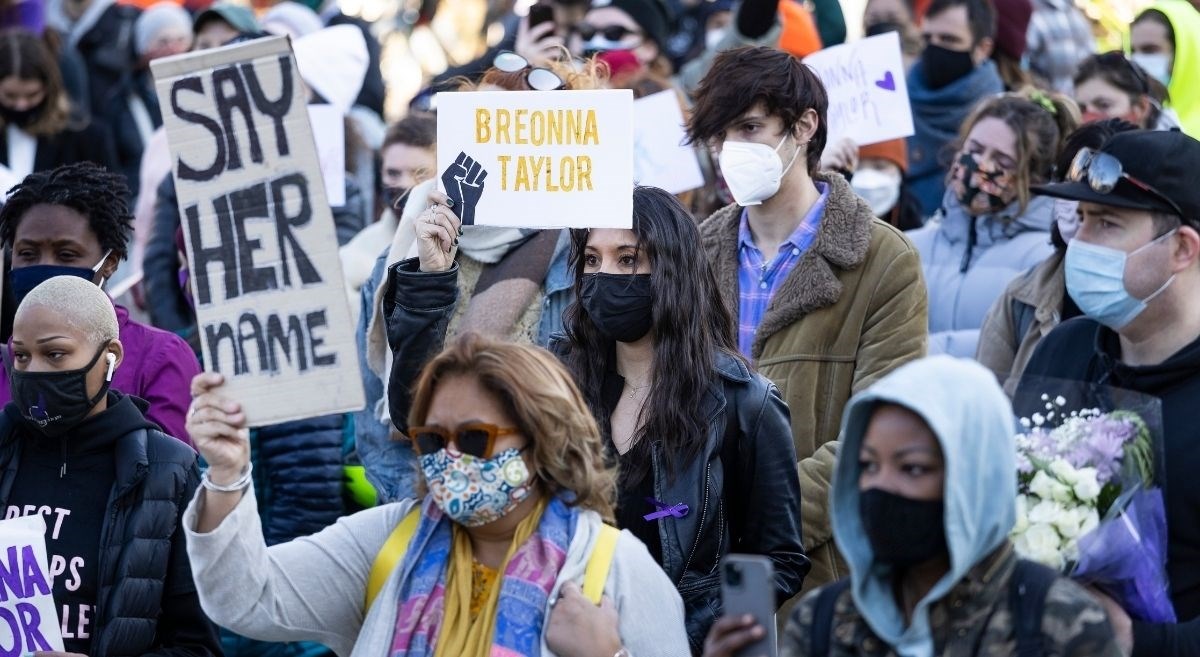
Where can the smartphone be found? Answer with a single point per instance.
(748, 587)
(540, 13)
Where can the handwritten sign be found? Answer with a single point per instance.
(868, 97)
(660, 156)
(263, 255)
(538, 159)
(28, 621)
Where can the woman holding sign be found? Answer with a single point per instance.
(492, 559)
(703, 443)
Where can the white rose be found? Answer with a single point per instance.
(1069, 522)
(1022, 514)
(1046, 512)
(1044, 545)
(1091, 520)
(1042, 485)
(1064, 472)
(1087, 488)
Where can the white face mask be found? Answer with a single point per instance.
(880, 189)
(1156, 64)
(752, 171)
(713, 37)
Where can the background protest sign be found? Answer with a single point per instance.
(263, 256)
(868, 95)
(28, 620)
(660, 156)
(538, 159)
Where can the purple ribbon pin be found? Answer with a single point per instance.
(663, 510)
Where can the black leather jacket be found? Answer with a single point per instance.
(743, 495)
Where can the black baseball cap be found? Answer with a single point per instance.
(1165, 160)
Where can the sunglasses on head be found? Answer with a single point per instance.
(1118, 57)
(538, 79)
(1102, 171)
(474, 438)
(610, 32)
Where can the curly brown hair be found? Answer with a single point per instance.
(566, 451)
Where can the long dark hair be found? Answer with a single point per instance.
(691, 324)
(26, 56)
(1129, 78)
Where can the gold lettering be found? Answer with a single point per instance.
(590, 129)
(537, 128)
(483, 127)
(574, 129)
(503, 119)
(584, 163)
(550, 186)
(522, 183)
(554, 127)
(504, 159)
(522, 124)
(566, 174)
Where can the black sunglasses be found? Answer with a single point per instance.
(475, 438)
(538, 79)
(1102, 171)
(1117, 57)
(610, 32)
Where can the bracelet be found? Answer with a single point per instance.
(235, 487)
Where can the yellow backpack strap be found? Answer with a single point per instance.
(599, 563)
(391, 554)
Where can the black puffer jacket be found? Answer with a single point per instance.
(743, 495)
(146, 602)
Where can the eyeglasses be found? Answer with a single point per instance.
(474, 438)
(1102, 171)
(538, 79)
(610, 32)
(1116, 57)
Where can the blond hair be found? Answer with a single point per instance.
(566, 452)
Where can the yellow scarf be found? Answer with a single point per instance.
(461, 634)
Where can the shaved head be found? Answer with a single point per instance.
(78, 304)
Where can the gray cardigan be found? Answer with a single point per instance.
(313, 588)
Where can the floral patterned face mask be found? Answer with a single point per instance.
(474, 491)
(981, 190)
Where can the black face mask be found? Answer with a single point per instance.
(19, 118)
(903, 532)
(943, 67)
(619, 305)
(397, 198)
(883, 27)
(55, 402)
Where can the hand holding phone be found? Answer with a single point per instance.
(748, 589)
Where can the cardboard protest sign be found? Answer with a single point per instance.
(868, 95)
(28, 620)
(538, 159)
(262, 252)
(660, 156)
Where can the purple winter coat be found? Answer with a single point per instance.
(158, 367)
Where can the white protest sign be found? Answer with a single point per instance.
(28, 616)
(329, 130)
(868, 95)
(660, 156)
(262, 251)
(538, 159)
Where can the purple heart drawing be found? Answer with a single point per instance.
(888, 82)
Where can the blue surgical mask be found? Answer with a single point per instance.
(22, 280)
(1096, 281)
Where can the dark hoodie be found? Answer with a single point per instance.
(1083, 350)
(112, 495)
(68, 480)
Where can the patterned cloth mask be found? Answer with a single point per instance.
(473, 491)
(980, 191)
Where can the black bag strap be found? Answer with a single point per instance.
(1028, 588)
(822, 624)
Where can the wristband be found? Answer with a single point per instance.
(235, 487)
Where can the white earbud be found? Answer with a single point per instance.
(112, 365)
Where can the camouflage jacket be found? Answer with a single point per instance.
(973, 620)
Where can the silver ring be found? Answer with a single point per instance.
(191, 410)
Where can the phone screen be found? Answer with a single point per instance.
(539, 14)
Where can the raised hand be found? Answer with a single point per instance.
(437, 234)
(463, 181)
(217, 426)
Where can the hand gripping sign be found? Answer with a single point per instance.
(263, 257)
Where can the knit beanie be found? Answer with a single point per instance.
(156, 19)
(1012, 24)
(292, 19)
(894, 150)
(239, 18)
(650, 15)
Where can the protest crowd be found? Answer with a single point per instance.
(652, 328)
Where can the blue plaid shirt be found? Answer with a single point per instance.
(758, 280)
